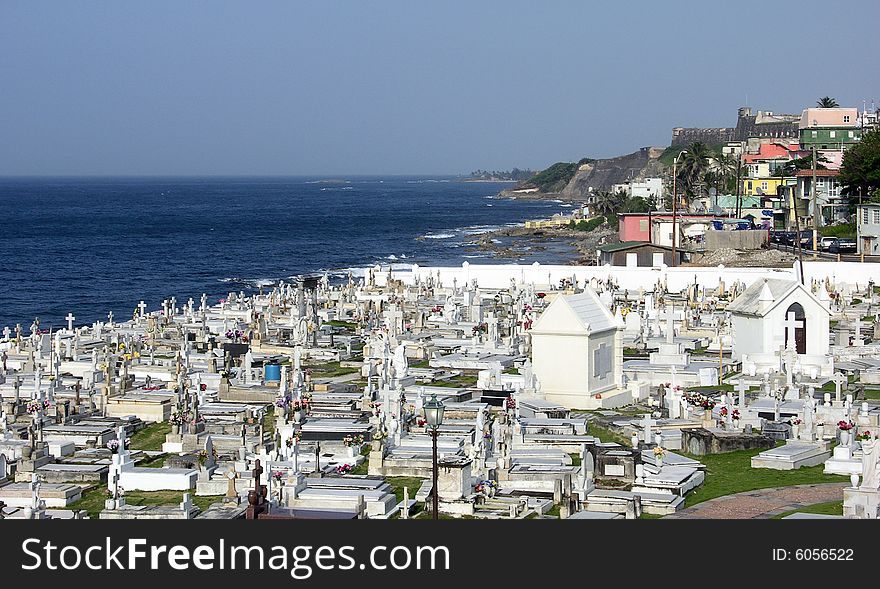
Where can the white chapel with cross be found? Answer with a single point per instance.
(773, 315)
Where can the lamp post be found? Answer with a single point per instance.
(434, 417)
(674, 199)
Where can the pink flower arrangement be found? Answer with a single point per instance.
(845, 426)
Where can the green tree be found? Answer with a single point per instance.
(860, 171)
(607, 202)
(827, 102)
(791, 167)
(692, 168)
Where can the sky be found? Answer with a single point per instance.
(338, 87)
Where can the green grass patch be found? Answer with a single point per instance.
(830, 508)
(606, 435)
(269, 422)
(345, 324)
(715, 388)
(93, 499)
(363, 467)
(459, 382)
(575, 459)
(155, 462)
(649, 516)
(331, 369)
(732, 472)
(398, 483)
(151, 437)
(872, 394)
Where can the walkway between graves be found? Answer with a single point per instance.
(763, 503)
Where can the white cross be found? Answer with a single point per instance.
(70, 319)
(839, 380)
(791, 324)
(742, 387)
(142, 306)
(110, 318)
(648, 423)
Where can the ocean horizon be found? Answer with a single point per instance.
(95, 244)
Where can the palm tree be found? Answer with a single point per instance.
(827, 102)
(725, 172)
(693, 167)
(606, 202)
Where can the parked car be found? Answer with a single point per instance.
(842, 246)
(807, 239)
(825, 242)
(783, 237)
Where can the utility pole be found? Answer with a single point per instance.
(739, 183)
(674, 202)
(815, 190)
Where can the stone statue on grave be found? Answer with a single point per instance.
(870, 455)
(401, 366)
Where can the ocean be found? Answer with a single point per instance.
(94, 245)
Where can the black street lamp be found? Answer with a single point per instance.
(434, 417)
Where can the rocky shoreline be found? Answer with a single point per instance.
(515, 242)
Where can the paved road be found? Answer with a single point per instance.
(763, 503)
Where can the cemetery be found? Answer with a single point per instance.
(496, 392)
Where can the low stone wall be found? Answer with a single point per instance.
(739, 240)
(701, 441)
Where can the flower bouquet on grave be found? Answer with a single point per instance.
(723, 412)
(353, 441)
(113, 446)
(277, 475)
(487, 487)
(37, 406)
(864, 436)
(343, 469)
(511, 403)
(796, 421)
(845, 426)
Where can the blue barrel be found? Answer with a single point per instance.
(272, 373)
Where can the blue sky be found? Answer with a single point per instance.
(402, 87)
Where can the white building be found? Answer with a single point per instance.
(770, 311)
(577, 353)
(868, 229)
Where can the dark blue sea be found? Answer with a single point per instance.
(90, 246)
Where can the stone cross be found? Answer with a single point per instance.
(791, 324)
(70, 319)
(839, 380)
(142, 307)
(186, 504)
(742, 388)
(647, 424)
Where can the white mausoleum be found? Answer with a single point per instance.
(577, 353)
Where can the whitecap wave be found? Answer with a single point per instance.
(438, 235)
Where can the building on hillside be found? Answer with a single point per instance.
(832, 205)
(577, 353)
(829, 128)
(648, 189)
(868, 229)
